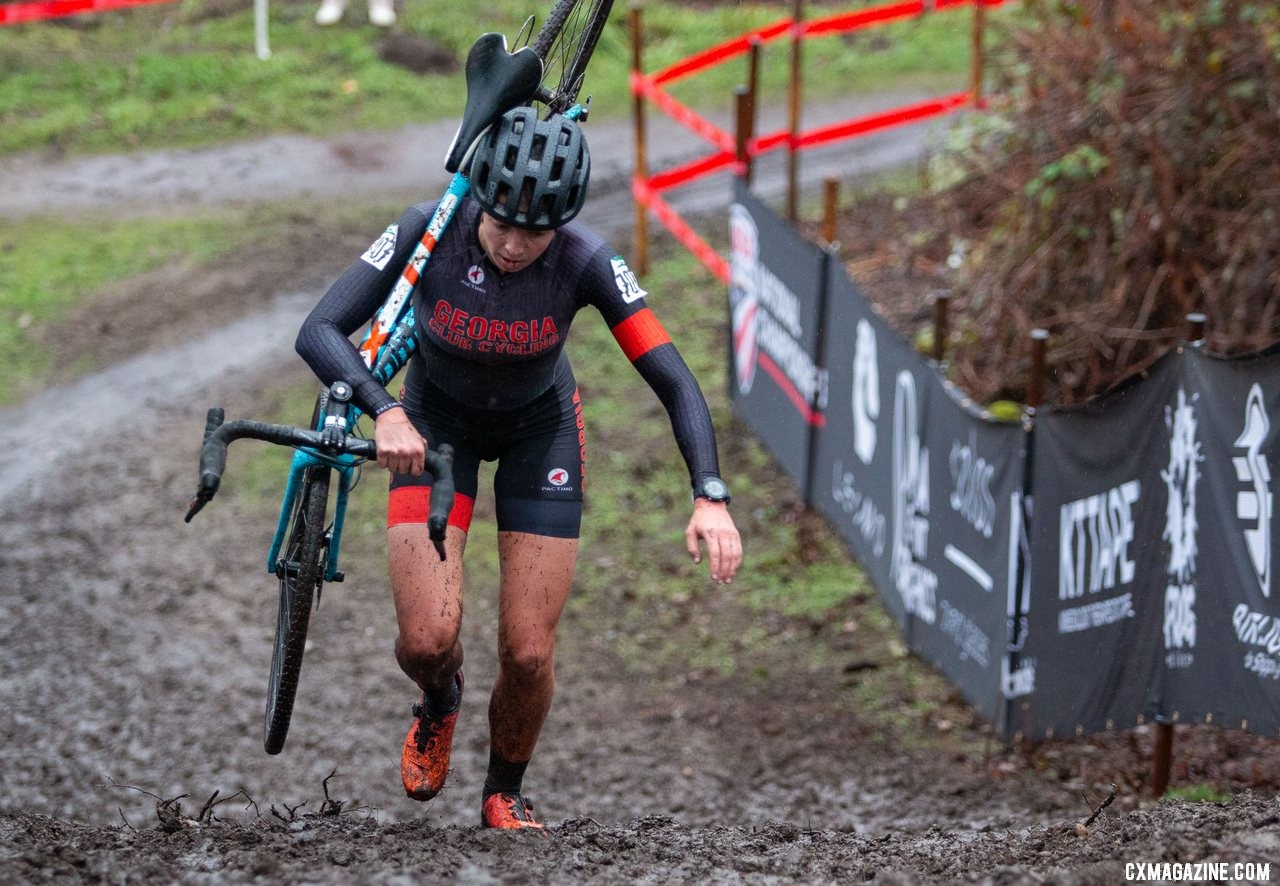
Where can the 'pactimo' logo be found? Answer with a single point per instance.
(1254, 506)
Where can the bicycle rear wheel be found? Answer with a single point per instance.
(301, 572)
(565, 44)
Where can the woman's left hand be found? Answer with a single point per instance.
(711, 523)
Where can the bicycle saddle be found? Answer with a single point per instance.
(497, 81)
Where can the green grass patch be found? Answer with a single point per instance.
(1198, 793)
(48, 266)
(186, 74)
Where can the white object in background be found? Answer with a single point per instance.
(260, 43)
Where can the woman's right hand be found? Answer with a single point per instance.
(400, 447)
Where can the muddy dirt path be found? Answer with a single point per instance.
(133, 652)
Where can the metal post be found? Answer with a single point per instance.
(1035, 387)
(640, 232)
(1195, 326)
(941, 302)
(742, 109)
(753, 73)
(978, 52)
(793, 117)
(830, 208)
(1161, 758)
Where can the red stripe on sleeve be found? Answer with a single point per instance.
(640, 333)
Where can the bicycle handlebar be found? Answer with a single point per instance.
(219, 434)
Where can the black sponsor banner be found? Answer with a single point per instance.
(776, 292)
(921, 488)
(1221, 643)
(964, 542)
(853, 466)
(1094, 615)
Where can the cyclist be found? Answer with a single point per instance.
(491, 379)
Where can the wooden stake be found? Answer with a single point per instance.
(793, 117)
(742, 110)
(640, 232)
(1035, 388)
(978, 52)
(1161, 758)
(941, 302)
(1195, 326)
(830, 209)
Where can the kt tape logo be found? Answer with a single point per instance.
(744, 301)
(1254, 505)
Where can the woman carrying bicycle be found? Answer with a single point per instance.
(491, 379)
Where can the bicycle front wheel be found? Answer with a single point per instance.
(565, 44)
(301, 572)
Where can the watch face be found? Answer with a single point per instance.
(714, 489)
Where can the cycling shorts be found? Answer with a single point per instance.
(540, 449)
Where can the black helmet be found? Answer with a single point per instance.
(531, 173)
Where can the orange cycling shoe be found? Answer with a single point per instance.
(424, 760)
(508, 812)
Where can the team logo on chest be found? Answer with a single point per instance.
(522, 337)
(475, 276)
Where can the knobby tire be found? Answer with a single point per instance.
(566, 43)
(305, 547)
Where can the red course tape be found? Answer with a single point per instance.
(17, 13)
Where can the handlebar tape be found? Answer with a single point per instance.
(440, 463)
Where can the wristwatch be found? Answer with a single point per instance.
(712, 489)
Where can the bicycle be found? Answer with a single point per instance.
(304, 550)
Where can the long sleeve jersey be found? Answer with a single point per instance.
(494, 340)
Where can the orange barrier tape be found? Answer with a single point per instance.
(862, 18)
(885, 120)
(17, 13)
(680, 229)
(681, 113)
(680, 175)
(717, 54)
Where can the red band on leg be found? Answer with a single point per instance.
(410, 504)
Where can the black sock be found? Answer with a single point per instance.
(446, 700)
(504, 776)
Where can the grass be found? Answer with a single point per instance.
(47, 266)
(1198, 793)
(185, 74)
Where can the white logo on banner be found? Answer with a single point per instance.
(766, 317)
(917, 584)
(1020, 682)
(1180, 529)
(971, 496)
(1255, 505)
(1020, 511)
(866, 392)
(866, 517)
(744, 241)
(1093, 554)
(1261, 630)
